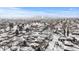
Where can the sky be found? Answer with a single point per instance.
(39, 11)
